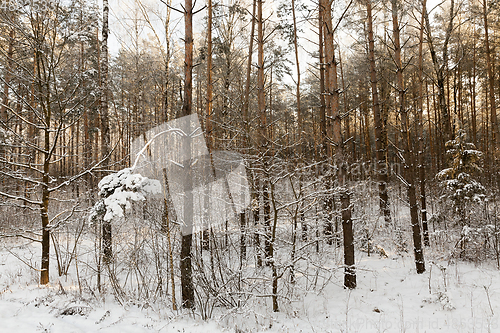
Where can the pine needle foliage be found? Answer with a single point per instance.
(458, 181)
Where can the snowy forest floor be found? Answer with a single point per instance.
(450, 296)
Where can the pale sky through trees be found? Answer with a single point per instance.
(123, 13)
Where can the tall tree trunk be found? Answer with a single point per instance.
(246, 105)
(380, 141)
(322, 108)
(246, 121)
(491, 79)
(300, 126)
(47, 154)
(205, 234)
(365, 120)
(274, 269)
(5, 100)
(187, 236)
(166, 227)
(261, 99)
(208, 123)
(347, 126)
(44, 210)
(167, 61)
(7, 77)
(430, 124)
(441, 70)
(333, 121)
(328, 49)
(407, 143)
(334, 111)
(473, 91)
(421, 161)
(300, 121)
(105, 134)
(263, 135)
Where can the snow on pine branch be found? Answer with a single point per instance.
(117, 190)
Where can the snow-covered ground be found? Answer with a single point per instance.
(390, 297)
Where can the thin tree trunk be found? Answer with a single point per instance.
(330, 65)
(333, 122)
(246, 106)
(166, 228)
(421, 166)
(297, 83)
(246, 117)
(7, 77)
(263, 135)
(167, 61)
(380, 140)
(473, 92)
(105, 134)
(261, 99)
(256, 219)
(44, 208)
(432, 138)
(205, 235)
(243, 248)
(264, 145)
(208, 124)
(327, 51)
(322, 108)
(47, 154)
(491, 79)
(347, 126)
(407, 143)
(441, 70)
(271, 253)
(365, 126)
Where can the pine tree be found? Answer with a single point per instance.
(458, 181)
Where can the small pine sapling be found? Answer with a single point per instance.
(458, 181)
(118, 189)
